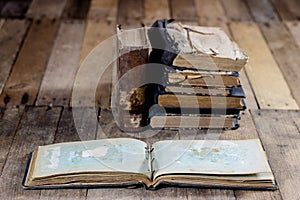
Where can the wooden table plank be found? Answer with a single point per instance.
(130, 13)
(286, 53)
(24, 81)
(37, 127)
(262, 11)
(66, 132)
(15, 8)
(57, 83)
(96, 32)
(288, 10)
(165, 194)
(281, 139)
(210, 194)
(50, 9)
(103, 10)
(115, 193)
(294, 28)
(211, 13)
(156, 9)
(183, 11)
(269, 86)
(9, 122)
(11, 36)
(76, 9)
(236, 10)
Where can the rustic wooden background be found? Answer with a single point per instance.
(43, 41)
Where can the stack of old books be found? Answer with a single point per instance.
(194, 81)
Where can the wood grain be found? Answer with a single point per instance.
(133, 18)
(183, 11)
(49, 9)
(294, 28)
(262, 11)
(76, 9)
(156, 9)
(288, 10)
(9, 122)
(24, 81)
(280, 137)
(57, 83)
(208, 193)
(96, 32)
(103, 10)
(66, 132)
(11, 36)
(236, 10)
(116, 193)
(166, 193)
(286, 53)
(270, 88)
(37, 127)
(211, 13)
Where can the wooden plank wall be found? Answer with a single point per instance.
(42, 44)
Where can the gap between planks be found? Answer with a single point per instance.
(57, 83)
(270, 88)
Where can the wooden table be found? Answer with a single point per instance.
(43, 42)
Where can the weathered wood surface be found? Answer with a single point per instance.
(9, 121)
(76, 9)
(270, 87)
(133, 18)
(286, 53)
(211, 13)
(263, 11)
(24, 81)
(57, 83)
(22, 132)
(236, 10)
(288, 10)
(184, 11)
(294, 27)
(279, 132)
(103, 10)
(11, 35)
(37, 127)
(156, 9)
(46, 9)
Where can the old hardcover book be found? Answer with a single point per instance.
(133, 49)
(202, 102)
(202, 78)
(206, 48)
(199, 121)
(124, 162)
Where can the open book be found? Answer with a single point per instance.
(127, 162)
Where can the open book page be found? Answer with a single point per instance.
(109, 155)
(217, 157)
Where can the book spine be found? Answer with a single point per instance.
(133, 52)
